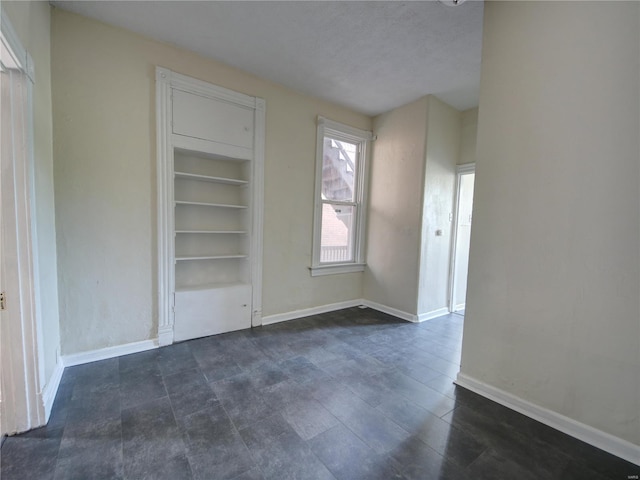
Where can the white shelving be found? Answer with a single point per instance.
(205, 187)
(210, 195)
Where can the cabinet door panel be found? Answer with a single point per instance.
(199, 313)
(210, 119)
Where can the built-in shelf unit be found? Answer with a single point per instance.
(210, 175)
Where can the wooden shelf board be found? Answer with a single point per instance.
(209, 286)
(209, 178)
(212, 231)
(204, 204)
(180, 258)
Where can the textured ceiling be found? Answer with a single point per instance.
(369, 56)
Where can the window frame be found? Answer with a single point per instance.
(362, 138)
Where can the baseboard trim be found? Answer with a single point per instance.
(410, 317)
(51, 389)
(602, 440)
(306, 312)
(423, 317)
(109, 352)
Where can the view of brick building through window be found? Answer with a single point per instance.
(338, 198)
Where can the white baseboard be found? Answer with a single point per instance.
(306, 312)
(602, 440)
(433, 314)
(390, 310)
(109, 352)
(51, 389)
(332, 307)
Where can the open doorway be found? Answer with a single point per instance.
(463, 216)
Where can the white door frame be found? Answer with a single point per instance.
(461, 170)
(21, 369)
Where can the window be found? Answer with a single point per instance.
(339, 213)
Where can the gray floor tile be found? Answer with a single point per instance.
(420, 373)
(349, 458)
(441, 436)
(444, 385)
(245, 411)
(368, 387)
(236, 387)
(189, 392)
(376, 430)
(283, 393)
(287, 456)
(94, 377)
(138, 363)
(301, 369)
(176, 358)
(175, 467)
(527, 452)
(215, 449)
(418, 461)
(308, 418)
(150, 438)
(134, 391)
(26, 457)
(415, 391)
(91, 451)
(216, 365)
(253, 474)
(94, 406)
(493, 466)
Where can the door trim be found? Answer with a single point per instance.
(464, 169)
(22, 362)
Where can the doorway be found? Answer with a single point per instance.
(463, 216)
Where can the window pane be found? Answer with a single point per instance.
(338, 170)
(336, 239)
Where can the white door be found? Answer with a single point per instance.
(464, 216)
(20, 401)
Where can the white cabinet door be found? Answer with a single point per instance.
(212, 119)
(199, 313)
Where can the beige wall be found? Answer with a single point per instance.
(552, 308)
(104, 144)
(468, 136)
(411, 197)
(442, 152)
(395, 207)
(31, 20)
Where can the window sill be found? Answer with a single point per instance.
(336, 269)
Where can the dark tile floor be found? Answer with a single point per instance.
(353, 394)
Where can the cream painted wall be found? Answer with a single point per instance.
(31, 20)
(395, 207)
(552, 309)
(468, 136)
(442, 152)
(411, 196)
(104, 146)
